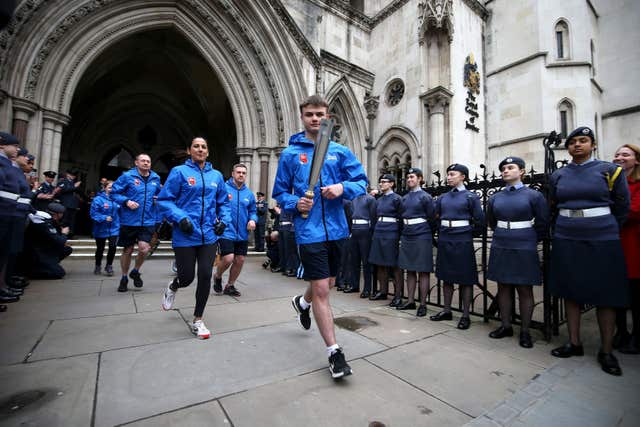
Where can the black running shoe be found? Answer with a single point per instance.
(123, 285)
(137, 280)
(303, 315)
(338, 365)
(217, 285)
(231, 291)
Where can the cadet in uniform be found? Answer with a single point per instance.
(459, 213)
(46, 192)
(384, 244)
(67, 191)
(416, 253)
(363, 222)
(519, 217)
(261, 211)
(105, 213)
(587, 263)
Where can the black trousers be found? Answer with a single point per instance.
(289, 259)
(258, 235)
(111, 253)
(359, 246)
(186, 259)
(69, 219)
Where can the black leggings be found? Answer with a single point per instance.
(186, 258)
(111, 253)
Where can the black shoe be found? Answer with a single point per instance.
(123, 285)
(422, 311)
(217, 285)
(19, 282)
(137, 280)
(525, 340)
(378, 296)
(12, 292)
(350, 290)
(338, 365)
(609, 363)
(621, 339)
(3, 308)
(501, 332)
(443, 315)
(568, 350)
(406, 306)
(276, 269)
(632, 347)
(8, 299)
(290, 273)
(231, 291)
(365, 294)
(395, 302)
(303, 315)
(340, 287)
(464, 323)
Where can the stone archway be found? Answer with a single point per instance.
(52, 49)
(397, 152)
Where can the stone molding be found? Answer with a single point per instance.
(478, 8)
(340, 66)
(25, 106)
(517, 140)
(244, 151)
(55, 117)
(622, 112)
(437, 99)
(264, 153)
(516, 63)
(295, 32)
(436, 14)
(371, 104)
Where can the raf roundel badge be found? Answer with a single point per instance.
(509, 160)
(191, 180)
(303, 158)
(136, 181)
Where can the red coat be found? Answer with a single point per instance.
(630, 233)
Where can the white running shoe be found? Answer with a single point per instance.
(169, 297)
(200, 330)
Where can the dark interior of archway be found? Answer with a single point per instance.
(151, 92)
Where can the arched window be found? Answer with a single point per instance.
(565, 117)
(562, 40)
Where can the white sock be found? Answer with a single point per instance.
(332, 349)
(304, 304)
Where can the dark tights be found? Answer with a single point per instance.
(383, 280)
(111, 253)
(505, 301)
(466, 291)
(424, 286)
(186, 258)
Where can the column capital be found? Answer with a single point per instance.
(437, 99)
(264, 153)
(244, 151)
(55, 117)
(24, 106)
(278, 150)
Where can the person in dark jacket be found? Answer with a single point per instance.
(46, 243)
(416, 250)
(105, 213)
(261, 212)
(321, 234)
(234, 241)
(363, 222)
(519, 217)
(46, 192)
(135, 191)
(67, 192)
(587, 264)
(459, 213)
(194, 200)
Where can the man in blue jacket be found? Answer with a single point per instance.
(320, 236)
(135, 191)
(234, 242)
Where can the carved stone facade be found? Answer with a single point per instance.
(83, 80)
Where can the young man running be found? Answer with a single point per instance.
(320, 236)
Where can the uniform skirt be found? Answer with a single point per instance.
(456, 263)
(416, 255)
(384, 252)
(514, 267)
(589, 272)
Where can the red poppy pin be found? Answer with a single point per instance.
(303, 158)
(191, 180)
(106, 205)
(137, 181)
(230, 196)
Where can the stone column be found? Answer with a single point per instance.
(264, 153)
(436, 103)
(371, 104)
(53, 123)
(23, 110)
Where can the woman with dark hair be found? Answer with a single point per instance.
(459, 213)
(193, 198)
(519, 217)
(384, 244)
(104, 212)
(416, 253)
(628, 157)
(587, 262)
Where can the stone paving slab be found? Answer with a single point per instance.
(208, 414)
(315, 399)
(17, 341)
(91, 335)
(186, 297)
(50, 393)
(244, 315)
(143, 381)
(392, 327)
(461, 374)
(58, 290)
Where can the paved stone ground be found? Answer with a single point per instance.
(78, 353)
